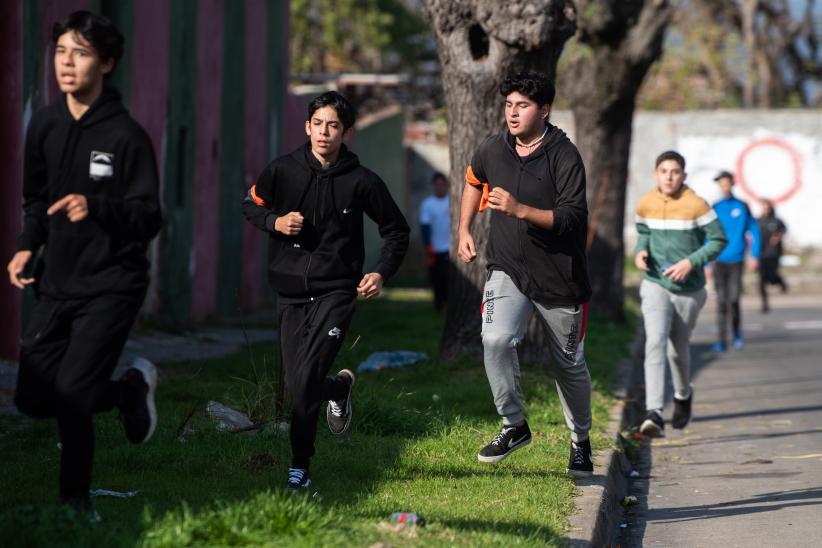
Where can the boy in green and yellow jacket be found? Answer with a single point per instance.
(678, 234)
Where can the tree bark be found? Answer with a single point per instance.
(748, 13)
(479, 42)
(617, 43)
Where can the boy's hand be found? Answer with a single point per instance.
(753, 264)
(641, 261)
(75, 206)
(16, 267)
(370, 285)
(679, 271)
(466, 249)
(501, 200)
(289, 224)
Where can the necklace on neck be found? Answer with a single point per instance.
(533, 143)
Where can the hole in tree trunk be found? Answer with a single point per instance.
(478, 42)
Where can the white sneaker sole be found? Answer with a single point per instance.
(651, 429)
(149, 372)
(498, 458)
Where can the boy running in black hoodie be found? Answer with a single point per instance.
(90, 201)
(532, 179)
(311, 204)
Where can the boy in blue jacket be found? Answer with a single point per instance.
(742, 231)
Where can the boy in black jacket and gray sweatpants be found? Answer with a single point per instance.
(532, 178)
(90, 200)
(311, 204)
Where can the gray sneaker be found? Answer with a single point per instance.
(338, 413)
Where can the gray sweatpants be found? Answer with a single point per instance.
(505, 312)
(669, 319)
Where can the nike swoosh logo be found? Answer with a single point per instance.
(512, 443)
(347, 211)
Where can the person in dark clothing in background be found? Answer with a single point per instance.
(742, 232)
(435, 223)
(532, 179)
(90, 201)
(311, 204)
(772, 231)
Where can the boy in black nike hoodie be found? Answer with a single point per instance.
(311, 204)
(90, 201)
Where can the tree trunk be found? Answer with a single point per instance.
(748, 14)
(479, 42)
(617, 44)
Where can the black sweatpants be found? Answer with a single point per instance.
(728, 284)
(311, 335)
(769, 274)
(438, 276)
(68, 354)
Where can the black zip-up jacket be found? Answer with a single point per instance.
(549, 266)
(108, 158)
(327, 255)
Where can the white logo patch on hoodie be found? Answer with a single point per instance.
(101, 165)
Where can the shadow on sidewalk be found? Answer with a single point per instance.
(758, 412)
(749, 437)
(783, 499)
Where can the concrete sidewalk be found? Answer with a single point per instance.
(747, 471)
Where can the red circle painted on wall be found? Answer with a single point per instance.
(783, 148)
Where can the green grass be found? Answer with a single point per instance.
(413, 447)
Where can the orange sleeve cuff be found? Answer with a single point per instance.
(257, 200)
(471, 179)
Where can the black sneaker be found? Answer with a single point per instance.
(338, 413)
(581, 461)
(653, 426)
(682, 411)
(137, 407)
(509, 439)
(299, 481)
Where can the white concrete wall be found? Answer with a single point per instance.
(774, 154)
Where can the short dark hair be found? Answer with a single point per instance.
(98, 31)
(438, 175)
(724, 175)
(335, 100)
(534, 85)
(670, 155)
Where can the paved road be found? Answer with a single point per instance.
(748, 469)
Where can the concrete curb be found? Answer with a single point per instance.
(598, 504)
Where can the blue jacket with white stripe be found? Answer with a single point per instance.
(737, 221)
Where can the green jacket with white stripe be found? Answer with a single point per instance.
(671, 228)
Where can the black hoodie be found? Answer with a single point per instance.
(549, 266)
(107, 157)
(327, 256)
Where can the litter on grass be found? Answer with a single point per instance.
(629, 500)
(118, 494)
(228, 419)
(387, 360)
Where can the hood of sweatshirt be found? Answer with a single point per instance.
(107, 105)
(553, 137)
(345, 162)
